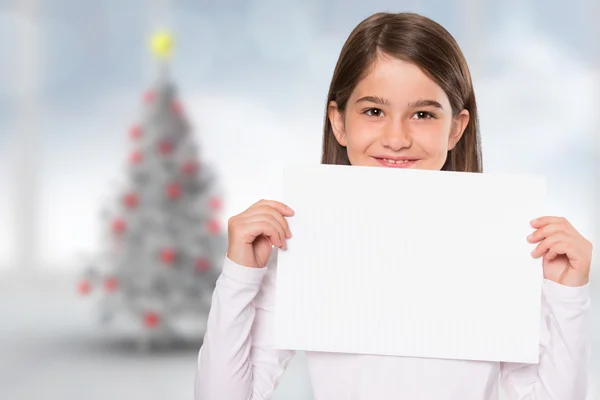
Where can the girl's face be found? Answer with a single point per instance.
(397, 117)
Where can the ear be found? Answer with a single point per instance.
(458, 128)
(336, 118)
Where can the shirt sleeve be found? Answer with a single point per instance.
(563, 368)
(237, 360)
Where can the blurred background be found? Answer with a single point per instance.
(252, 77)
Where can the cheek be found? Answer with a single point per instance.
(361, 133)
(433, 138)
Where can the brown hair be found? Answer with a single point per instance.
(423, 42)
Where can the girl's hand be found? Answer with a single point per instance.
(567, 254)
(253, 233)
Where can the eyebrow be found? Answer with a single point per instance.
(374, 99)
(412, 104)
(425, 103)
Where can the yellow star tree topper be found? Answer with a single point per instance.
(162, 44)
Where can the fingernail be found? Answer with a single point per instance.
(530, 237)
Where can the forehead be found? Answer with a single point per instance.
(398, 81)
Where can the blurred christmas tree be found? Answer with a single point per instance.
(163, 239)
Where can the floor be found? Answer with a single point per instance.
(51, 348)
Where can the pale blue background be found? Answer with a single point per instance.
(253, 76)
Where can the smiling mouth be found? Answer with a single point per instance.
(395, 163)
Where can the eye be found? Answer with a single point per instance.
(423, 115)
(373, 112)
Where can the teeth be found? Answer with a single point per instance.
(395, 162)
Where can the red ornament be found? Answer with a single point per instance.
(189, 168)
(202, 264)
(177, 107)
(119, 225)
(149, 96)
(110, 285)
(84, 288)
(165, 147)
(131, 200)
(215, 203)
(167, 256)
(135, 132)
(213, 226)
(136, 157)
(151, 319)
(173, 191)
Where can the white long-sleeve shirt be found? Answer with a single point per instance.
(237, 360)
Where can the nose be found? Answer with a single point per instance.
(396, 137)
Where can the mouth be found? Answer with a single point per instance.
(400, 162)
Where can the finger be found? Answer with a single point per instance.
(545, 244)
(279, 206)
(271, 219)
(539, 222)
(266, 228)
(546, 231)
(556, 249)
(266, 210)
(282, 221)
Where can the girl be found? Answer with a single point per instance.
(401, 96)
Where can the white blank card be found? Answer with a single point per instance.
(410, 263)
